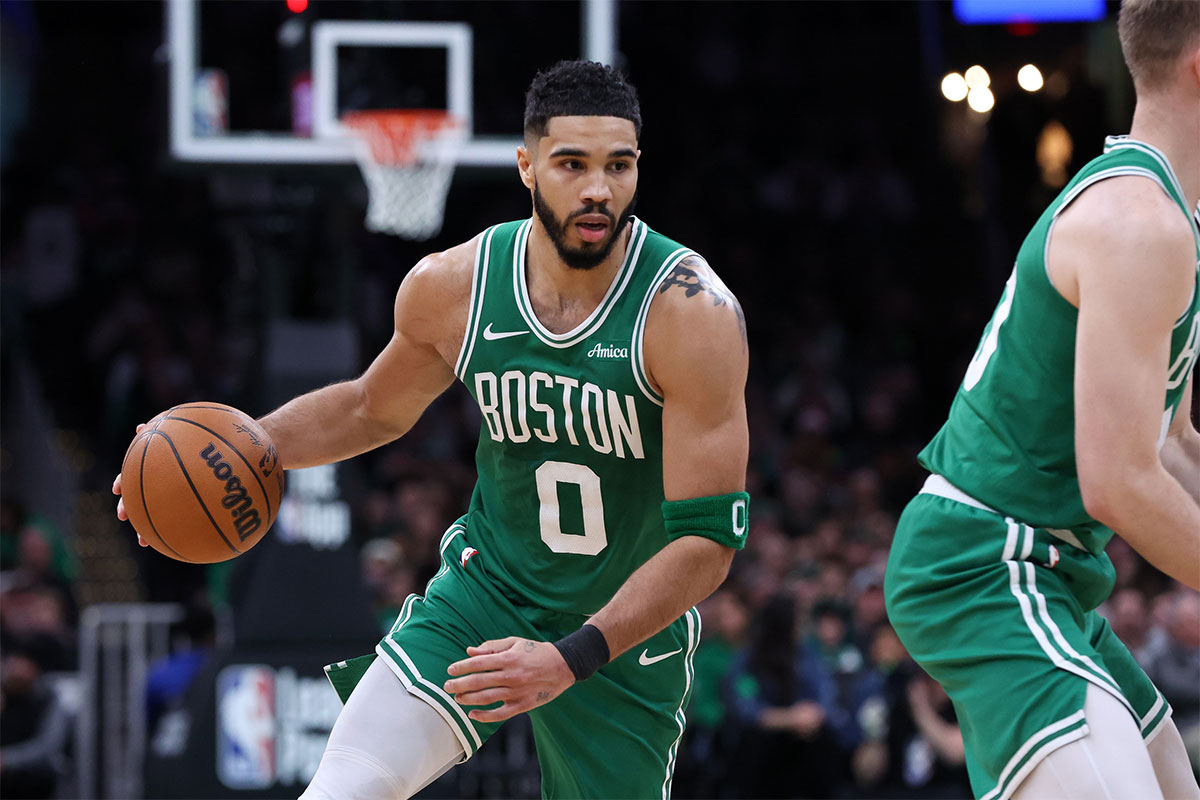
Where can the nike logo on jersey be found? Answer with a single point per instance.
(492, 335)
(645, 659)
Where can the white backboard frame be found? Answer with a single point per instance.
(329, 143)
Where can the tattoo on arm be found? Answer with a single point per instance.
(543, 696)
(686, 276)
(530, 646)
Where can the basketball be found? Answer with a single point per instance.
(201, 482)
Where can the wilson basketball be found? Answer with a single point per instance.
(201, 482)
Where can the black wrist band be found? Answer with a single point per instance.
(585, 651)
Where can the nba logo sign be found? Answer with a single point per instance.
(246, 726)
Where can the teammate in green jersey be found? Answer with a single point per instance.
(609, 364)
(1072, 422)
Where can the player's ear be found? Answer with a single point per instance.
(525, 167)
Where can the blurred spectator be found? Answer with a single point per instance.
(34, 729)
(1128, 616)
(868, 609)
(785, 746)
(911, 747)
(168, 679)
(43, 561)
(380, 557)
(705, 763)
(32, 618)
(831, 662)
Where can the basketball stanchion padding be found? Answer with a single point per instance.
(201, 482)
(407, 159)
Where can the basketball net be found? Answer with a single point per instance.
(407, 159)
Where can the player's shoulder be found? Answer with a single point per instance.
(432, 301)
(1128, 209)
(692, 289)
(450, 267)
(1128, 243)
(693, 310)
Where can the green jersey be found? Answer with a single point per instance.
(568, 499)
(1010, 439)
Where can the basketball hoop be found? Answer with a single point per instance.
(407, 159)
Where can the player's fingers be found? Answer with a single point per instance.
(121, 513)
(484, 663)
(117, 484)
(142, 541)
(484, 697)
(476, 681)
(138, 429)
(498, 714)
(493, 646)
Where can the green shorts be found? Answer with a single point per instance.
(1002, 614)
(614, 735)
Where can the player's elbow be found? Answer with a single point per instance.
(719, 564)
(1104, 496)
(1113, 492)
(1098, 498)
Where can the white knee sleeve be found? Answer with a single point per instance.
(1171, 764)
(1110, 763)
(385, 744)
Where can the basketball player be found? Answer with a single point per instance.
(609, 364)
(1072, 422)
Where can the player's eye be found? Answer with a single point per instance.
(619, 166)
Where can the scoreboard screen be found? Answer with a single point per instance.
(981, 12)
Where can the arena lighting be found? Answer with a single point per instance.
(1029, 78)
(980, 99)
(297, 6)
(954, 87)
(977, 77)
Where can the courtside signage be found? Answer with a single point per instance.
(272, 726)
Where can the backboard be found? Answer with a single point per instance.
(267, 82)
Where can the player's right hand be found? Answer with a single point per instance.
(116, 489)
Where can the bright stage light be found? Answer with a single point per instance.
(977, 77)
(954, 87)
(1029, 78)
(980, 99)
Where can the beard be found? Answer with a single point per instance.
(591, 254)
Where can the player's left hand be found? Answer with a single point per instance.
(522, 673)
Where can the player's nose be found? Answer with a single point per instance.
(596, 190)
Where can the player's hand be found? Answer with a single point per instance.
(116, 489)
(522, 673)
(807, 718)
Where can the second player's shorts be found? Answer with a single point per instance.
(1003, 616)
(614, 735)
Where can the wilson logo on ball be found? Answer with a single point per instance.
(246, 519)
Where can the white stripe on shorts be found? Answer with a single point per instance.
(1100, 678)
(693, 626)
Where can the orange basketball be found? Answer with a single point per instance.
(201, 482)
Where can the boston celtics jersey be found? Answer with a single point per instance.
(1010, 439)
(568, 499)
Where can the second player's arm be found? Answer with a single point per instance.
(345, 419)
(1134, 265)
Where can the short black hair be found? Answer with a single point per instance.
(579, 89)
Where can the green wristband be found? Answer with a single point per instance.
(724, 518)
